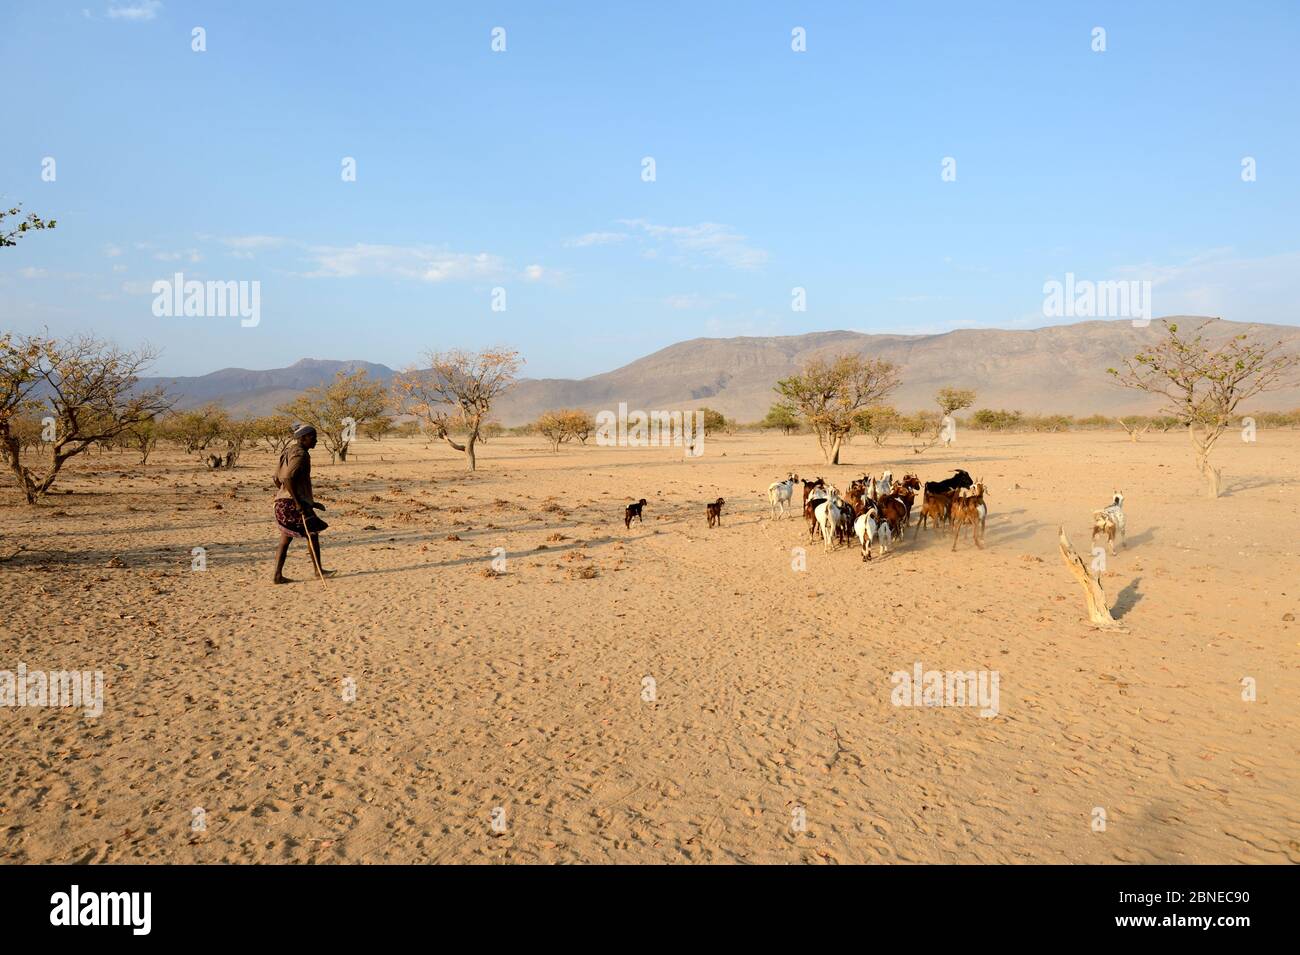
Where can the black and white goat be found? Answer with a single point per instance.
(869, 529)
(780, 494)
(1109, 521)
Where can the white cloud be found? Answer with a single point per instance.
(138, 12)
(418, 263)
(597, 238)
(534, 273)
(703, 243)
(245, 246)
(1219, 282)
(693, 300)
(683, 302)
(250, 242)
(33, 272)
(188, 255)
(112, 251)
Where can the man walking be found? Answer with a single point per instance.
(293, 478)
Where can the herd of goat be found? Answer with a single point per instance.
(877, 511)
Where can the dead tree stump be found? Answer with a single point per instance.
(1098, 611)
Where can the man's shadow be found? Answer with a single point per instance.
(1127, 599)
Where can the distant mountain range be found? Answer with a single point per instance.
(1060, 369)
(249, 393)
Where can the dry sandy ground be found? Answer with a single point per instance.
(772, 686)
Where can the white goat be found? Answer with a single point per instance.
(883, 486)
(780, 493)
(827, 514)
(870, 529)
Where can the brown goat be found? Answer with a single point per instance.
(713, 512)
(934, 508)
(893, 511)
(808, 486)
(966, 510)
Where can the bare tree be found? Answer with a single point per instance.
(455, 393)
(1202, 384)
(829, 391)
(88, 387)
(1135, 425)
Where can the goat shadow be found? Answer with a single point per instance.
(1146, 537)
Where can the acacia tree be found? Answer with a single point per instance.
(142, 437)
(275, 431)
(376, 430)
(829, 391)
(878, 421)
(1201, 384)
(780, 416)
(336, 410)
(952, 400)
(196, 428)
(560, 426)
(455, 393)
(86, 386)
(579, 424)
(553, 427)
(923, 427)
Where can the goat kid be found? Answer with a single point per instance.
(713, 512)
(633, 510)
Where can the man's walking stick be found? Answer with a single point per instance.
(315, 558)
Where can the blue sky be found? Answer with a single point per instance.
(522, 170)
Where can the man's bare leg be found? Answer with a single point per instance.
(280, 578)
(315, 543)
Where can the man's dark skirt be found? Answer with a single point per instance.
(289, 519)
